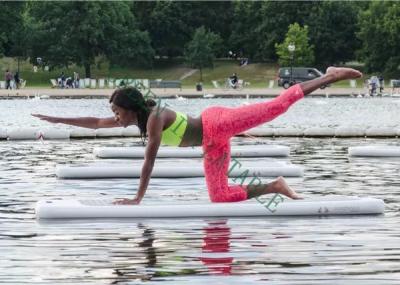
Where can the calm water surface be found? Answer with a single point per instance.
(334, 250)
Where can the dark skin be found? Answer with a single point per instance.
(161, 120)
(157, 122)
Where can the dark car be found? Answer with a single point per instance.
(300, 74)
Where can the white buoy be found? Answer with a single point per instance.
(24, 134)
(111, 132)
(261, 132)
(375, 151)
(349, 132)
(55, 134)
(3, 134)
(83, 133)
(288, 132)
(131, 132)
(319, 132)
(380, 132)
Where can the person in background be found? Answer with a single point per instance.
(380, 78)
(76, 79)
(61, 80)
(17, 80)
(233, 80)
(8, 78)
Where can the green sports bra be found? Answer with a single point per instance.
(174, 133)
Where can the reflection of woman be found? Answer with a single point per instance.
(147, 245)
(216, 240)
(150, 255)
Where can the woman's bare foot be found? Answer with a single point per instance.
(342, 73)
(280, 186)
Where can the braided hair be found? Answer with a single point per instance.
(132, 99)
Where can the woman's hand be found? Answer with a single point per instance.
(46, 118)
(135, 201)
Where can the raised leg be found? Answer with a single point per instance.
(332, 75)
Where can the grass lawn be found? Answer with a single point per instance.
(258, 74)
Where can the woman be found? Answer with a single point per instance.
(212, 131)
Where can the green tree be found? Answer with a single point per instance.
(78, 32)
(332, 30)
(11, 28)
(171, 24)
(244, 36)
(275, 17)
(200, 52)
(304, 52)
(380, 34)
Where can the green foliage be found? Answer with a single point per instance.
(275, 17)
(200, 52)
(304, 52)
(11, 26)
(244, 34)
(380, 33)
(78, 32)
(66, 33)
(171, 24)
(332, 29)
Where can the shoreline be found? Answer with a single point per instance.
(87, 93)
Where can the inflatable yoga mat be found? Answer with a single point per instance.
(73, 209)
(111, 171)
(192, 152)
(375, 151)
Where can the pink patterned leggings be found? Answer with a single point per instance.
(220, 124)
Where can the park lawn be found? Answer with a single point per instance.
(257, 74)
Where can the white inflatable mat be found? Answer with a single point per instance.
(192, 152)
(323, 206)
(375, 151)
(134, 171)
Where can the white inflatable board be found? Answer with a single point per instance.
(184, 152)
(134, 171)
(375, 151)
(72, 209)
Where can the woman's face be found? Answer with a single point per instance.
(123, 116)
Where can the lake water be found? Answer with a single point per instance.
(330, 250)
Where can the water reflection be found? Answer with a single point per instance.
(216, 248)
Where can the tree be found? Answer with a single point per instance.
(171, 24)
(275, 17)
(78, 32)
(332, 30)
(380, 34)
(200, 52)
(244, 36)
(11, 28)
(304, 52)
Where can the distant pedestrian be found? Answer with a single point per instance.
(380, 78)
(8, 78)
(61, 80)
(17, 80)
(76, 79)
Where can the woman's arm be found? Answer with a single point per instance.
(85, 122)
(155, 128)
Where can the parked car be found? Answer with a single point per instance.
(300, 74)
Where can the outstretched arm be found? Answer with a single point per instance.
(85, 122)
(155, 128)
